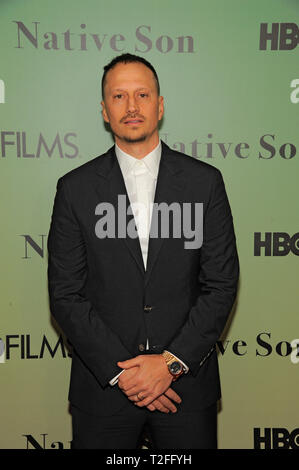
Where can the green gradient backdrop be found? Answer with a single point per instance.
(228, 88)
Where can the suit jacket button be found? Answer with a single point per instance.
(147, 308)
(141, 347)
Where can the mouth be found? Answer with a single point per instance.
(133, 122)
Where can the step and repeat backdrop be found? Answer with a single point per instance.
(230, 79)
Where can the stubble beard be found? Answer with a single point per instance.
(132, 140)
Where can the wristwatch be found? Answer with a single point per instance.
(174, 366)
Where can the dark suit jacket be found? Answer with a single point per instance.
(99, 289)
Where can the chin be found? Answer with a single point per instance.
(131, 140)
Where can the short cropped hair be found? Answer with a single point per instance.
(128, 59)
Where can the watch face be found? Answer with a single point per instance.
(175, 367)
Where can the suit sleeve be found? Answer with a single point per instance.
(218, 279)
(97, 346)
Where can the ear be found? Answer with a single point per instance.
(104, 112)
(161, 107)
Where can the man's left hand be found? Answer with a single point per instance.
(150, 381)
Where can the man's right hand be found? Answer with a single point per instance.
(164, 402)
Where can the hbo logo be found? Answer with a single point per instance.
(279, 36)
(276, 244)
(276, 438)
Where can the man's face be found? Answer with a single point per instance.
(131, 103)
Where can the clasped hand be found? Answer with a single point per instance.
(146, 381)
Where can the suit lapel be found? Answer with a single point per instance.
(170, 183)
(109, 168)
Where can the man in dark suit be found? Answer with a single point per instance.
(142, 310)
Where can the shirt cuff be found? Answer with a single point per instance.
(115, 379)
(186, 368)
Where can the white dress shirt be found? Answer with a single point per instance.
(140, 177)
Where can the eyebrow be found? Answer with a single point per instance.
(138, 89)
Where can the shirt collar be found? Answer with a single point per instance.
(151, 160)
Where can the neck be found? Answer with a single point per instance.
(138, 149)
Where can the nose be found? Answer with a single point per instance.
(132, 105)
